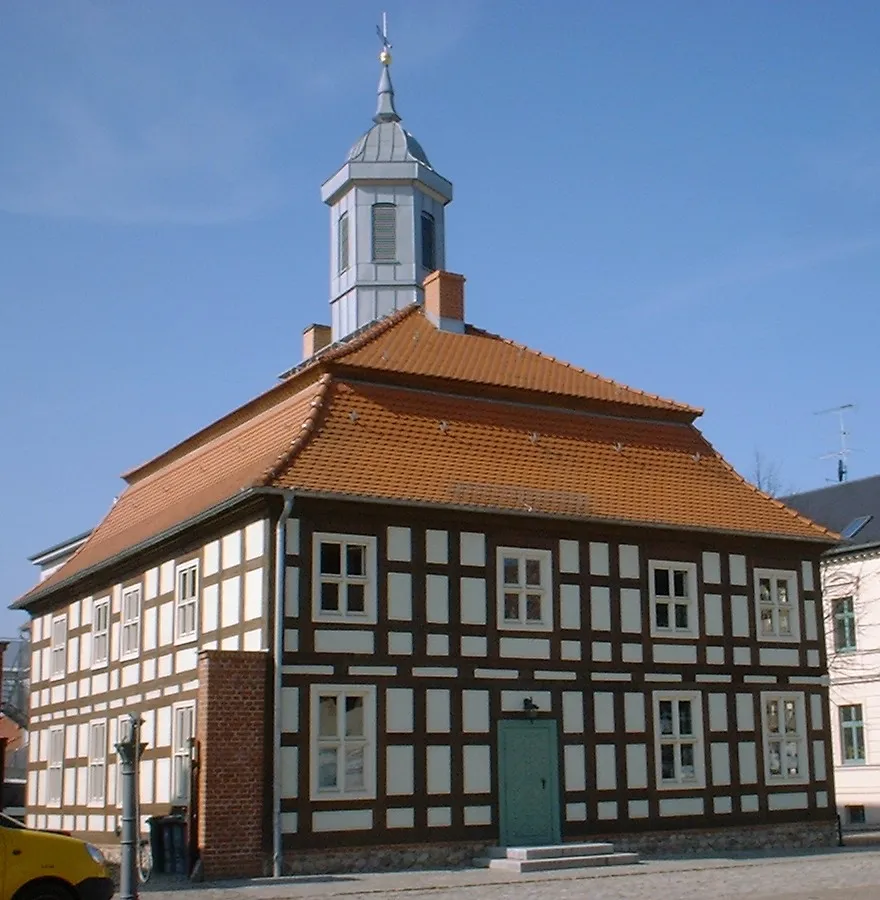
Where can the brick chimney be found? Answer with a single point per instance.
(444, 300)
(315, 338)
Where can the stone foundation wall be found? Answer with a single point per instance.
(383, 859)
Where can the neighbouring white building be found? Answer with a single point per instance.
(851, 594)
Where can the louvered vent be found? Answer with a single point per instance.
(429, 252)
(343, 242)
(384, 232)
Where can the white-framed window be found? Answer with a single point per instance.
(673, 588)
(186, 602)
(97, 779)
(844, 615)
(100, 632)
(852, 735)
(525, 589)
(183, 729)
(58, 653)
(343, 742)
(776, 602)
(344, 578)
(678, 739)
(785, 738)
(55, 766)
(131, 622)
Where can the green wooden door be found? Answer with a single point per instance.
(528, 783)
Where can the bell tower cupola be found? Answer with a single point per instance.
(387, 228)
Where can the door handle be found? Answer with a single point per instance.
(544, 783)
(16, 852)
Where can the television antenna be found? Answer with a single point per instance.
(845, 450)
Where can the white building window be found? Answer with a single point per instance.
(777, 605)
(525, 589)
(785, 745)
(59, 647)
(673, 598)
(101, 632)
(844, 614)
(186, 603)
(344, 578)
(182, 731)
(343, 744)
(131, 622)
(55, 766)
(97, 783)
(852, 735)
(678, 738)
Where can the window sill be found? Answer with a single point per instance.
(675, 635)
(360, 619)
(773, 639)
(336, 796)
(698, 785)
(537, 628)
(853, 763)
(184, 641)
(775, 781)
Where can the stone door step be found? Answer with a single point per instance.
(551, 851)
(559, 856)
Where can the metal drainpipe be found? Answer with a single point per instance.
(278, 653)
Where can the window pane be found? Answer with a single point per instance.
(661, 582)
(354, 716)
(327, 720)
(681, 615)
(767, 621)
(533, 608)
(533, 572)
(685, 718)
(356, 602)
(511, 570)
(665, 707)
(773, 716)
(667, 762)
(354, 768)
(781, 590)
(511, 607)
(849, 752)
(792, 758)
(662, 614)
(774, 749)
(329, 596)
(784, 621)
(680, 583)
(688, 764)
(331, 559)
(790, 716)
(764, 590)
(327, 768)
(354, 559)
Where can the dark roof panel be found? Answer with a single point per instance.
(839, 505)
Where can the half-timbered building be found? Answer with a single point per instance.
(433, 591)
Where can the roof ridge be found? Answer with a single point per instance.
(682, 407)
(775, 500)
(306, 430)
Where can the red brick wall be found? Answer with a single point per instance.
(233, 717)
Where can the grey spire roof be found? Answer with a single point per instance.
(385, 111)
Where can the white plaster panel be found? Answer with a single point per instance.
(230, 601)
(72, 655)
(576, 812)
(807, 575)
(475, 712)
(438, 645)
(748, 766)
(636, 766)
(230, 552)
(289, 823)
(779, 656)
(607, 809)
(186, 659)
(575, 767)
(717, 712)
(742, 656)
(813, 659)
(437, 710)
(151, 628)
(400, 770)
(114, 640)
(722, 804)
(681, 806)
(342, 820)
(477, 769)
(399, 596)
(631, 653)
(437, 547)
(714, 615)
(399, 710)
(400, 818)
(473, 601)
(130, 674)
(601, 651)
(478, 815)
(600, 608)
(253, 640)
(291, 640)
(630, 610)
(211, 557)
(439, 816)
(715, 656)
(289, 772)
(163, 780)
(634, 712)
(739, 606)
(439, 770)
(525, 648)
(572, 712)
(570, 650)
(606, 767)
(745, 712)
(675, 653)
(795, 800)
(570, 606)
(437, 599)
(253, 594)
(73, 614)
(737, 569)
(599, 558)
(810, 630)
(255, 540)
(569, 556)
(399, 543)
(163, 726)
(100, 683)
(166, 578)
(720, 753)
(399, 643)
(473, 645)
(638, 809)
(603, 712)
(291, 591)
(289, 709)
(816, 710)
(348, 641)
(165, 666)
(819, 773)
(749, 803)
(711, 567)
(166, 623)
(473, 549)
(291, 536)
(628, 555)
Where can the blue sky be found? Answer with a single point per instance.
(684, 196)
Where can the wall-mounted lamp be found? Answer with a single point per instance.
(530, 708)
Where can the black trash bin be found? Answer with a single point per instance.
(168, 843)
(157, 846)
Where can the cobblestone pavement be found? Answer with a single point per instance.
(850, 874)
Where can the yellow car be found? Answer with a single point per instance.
(45, 865)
